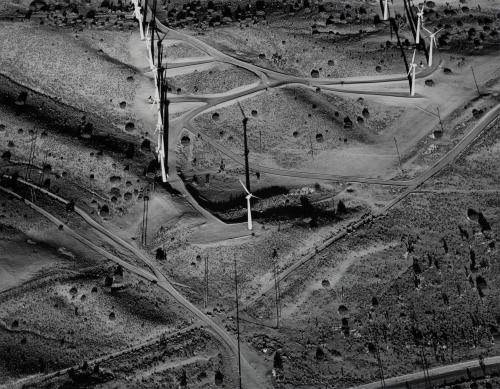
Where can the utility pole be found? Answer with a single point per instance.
(399, 156)
(475, 81)
(44, 163)
(380, 366)
(260, 140)
(206, 282)
(311, 143)
(276, 291)
(237, 322)
(31, 157)
(423, 360)
(145, 220)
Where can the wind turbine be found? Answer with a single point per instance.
(249, 212)
(413, 67)
(432, 43)
(420, 22)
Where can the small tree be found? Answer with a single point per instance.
(341, 208)
(320, 354)
(183, 379)
(219, 378)
(278, 361)
(485, 226)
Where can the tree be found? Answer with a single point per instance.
(278, 361)
(485, 226)
(108, 281)
(183, 379)
(219, 378)
(6, 155)
(320, 354)
(70, 207)
(161, 255)
(119, 271)
(341, 208)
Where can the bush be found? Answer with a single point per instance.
(91, 14)
(6, 155)
(278, 361)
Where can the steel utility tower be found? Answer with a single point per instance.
(237, 322)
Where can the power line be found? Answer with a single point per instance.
(237, 322)
(475, 81)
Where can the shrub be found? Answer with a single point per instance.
(320, 354)
(91, 14)
(278, 361)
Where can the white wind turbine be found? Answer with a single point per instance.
(160, 148)
(413, 67)
(420, 22)
(138, 16)
(150, 54)
(386, 10)
(249, 212)
(432, 43)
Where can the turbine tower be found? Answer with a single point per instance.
(249, 211)
(420, 22)
(245, 146)
(413, 67)
(386, 10)
(138, 16)
(432, 43)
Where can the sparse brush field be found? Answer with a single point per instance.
(173, 49)
(421, 279)
(285, 124)
(78, 75)
(219, 79)
(69, 166)
(346, 54)
(478, 167)
(62, 323)
(156, 363)
(411, 279)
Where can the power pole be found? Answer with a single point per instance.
(475, 81)
(31, 157)
(44, 163)
(311, 143)
(260, 140)
(145, 220)
(206, 282)
(237, 322)
(277, 292)
(381, 367)
(399, 156)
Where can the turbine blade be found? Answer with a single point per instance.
(241, 109)
(413, 59)
(244, 187)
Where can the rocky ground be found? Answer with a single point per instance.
(420, 280)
